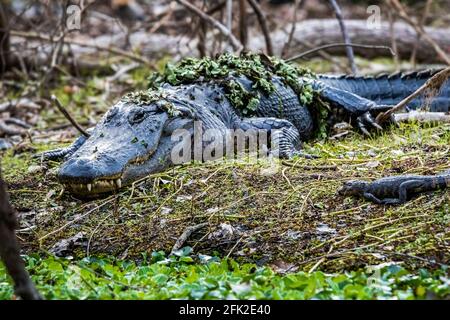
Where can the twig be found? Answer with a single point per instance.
(243, 32)
(237, 46)
(166, 16)
(319, 168)
(422, 23)
(68, 116)
(393, 40)
(109, 200)
(339, 44)
(126, 54)
(262, 22)
(419, 29)
(434, 82)
(229, 17)
(348, 49)
(287, 45)
(325, 55)
(186, 234)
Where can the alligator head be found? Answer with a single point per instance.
(353, 188)
(128, 143)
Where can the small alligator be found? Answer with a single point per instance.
(135, 137)
(396, 189)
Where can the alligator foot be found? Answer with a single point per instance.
(366, 120)
(61, 153)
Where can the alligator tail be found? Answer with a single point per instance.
(389, 89)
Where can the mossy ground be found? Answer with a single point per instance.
(290, 219)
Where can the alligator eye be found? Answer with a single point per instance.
(136, 116)
(111, 113)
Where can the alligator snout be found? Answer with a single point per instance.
(94, 175)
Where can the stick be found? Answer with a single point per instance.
(262, 22)
(422, 23)
(229, 16)
(287, 45)
(419, 29)
(243, 32)
(237, 46)
(393, 40)
(10, 251)
(339, 44)
(348, 49)
(68, 116)
(435, 81)
(186, 234)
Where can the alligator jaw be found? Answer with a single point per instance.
(94, 187)
(155, 162)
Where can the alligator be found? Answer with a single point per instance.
(135, 136)
(395, 189)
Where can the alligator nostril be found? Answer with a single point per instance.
(86, 170)
(80, 170)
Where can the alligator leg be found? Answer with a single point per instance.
(403, 192)
(371, 197)
(285, 138)
(61, 153)
(354, 104)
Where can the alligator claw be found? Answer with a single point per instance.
(393, 121)
(366, 120)
(362, 127)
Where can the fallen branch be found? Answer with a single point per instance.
(319, 32)
(68, 116)
(422, 116)
(10, 251)
(117, 51)
(19, 103)
(262, 22)
(237, 46)
(8, 130)
(186, 234)
(419, 29)
(340, 44)
(434, 83)
(348, 49)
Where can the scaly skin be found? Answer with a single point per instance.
(395, 189)
(132, 141)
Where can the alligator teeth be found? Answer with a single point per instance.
(89, 187)
(119, 183)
